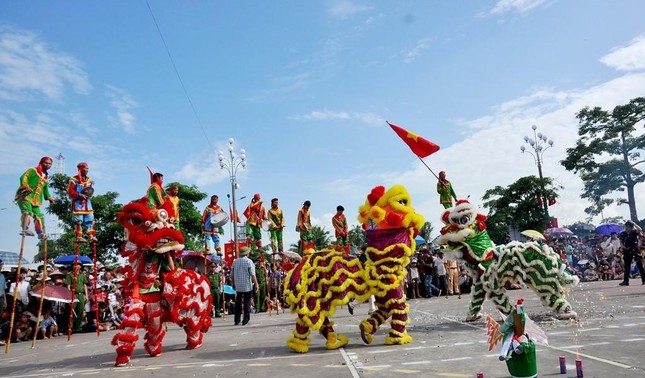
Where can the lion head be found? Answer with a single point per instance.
(151, 229)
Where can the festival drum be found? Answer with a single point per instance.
(266, 225)
(88, 191)
(219, 219)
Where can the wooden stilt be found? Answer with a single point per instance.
(15, 294)
(70, 323)
(94, 293)
(42, 289)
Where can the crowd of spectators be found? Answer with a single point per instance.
(101, 308)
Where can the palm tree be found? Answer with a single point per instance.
(321, 237)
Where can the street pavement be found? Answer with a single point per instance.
(609, 338)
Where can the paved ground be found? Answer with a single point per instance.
(609, 339)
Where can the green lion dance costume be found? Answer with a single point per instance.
(327, 279)
(492, 267)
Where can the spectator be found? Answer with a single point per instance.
(23, 327)
(631, 251)
(426, 263)
(465, 282)
(47, 328)
(24, 289)
(440, 270)
(244, 283)
(3, 290)
(413, 279)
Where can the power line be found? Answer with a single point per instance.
(174, 66)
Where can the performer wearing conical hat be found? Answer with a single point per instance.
(34, 188)
(80, 189)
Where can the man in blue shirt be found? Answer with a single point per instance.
(244, 283)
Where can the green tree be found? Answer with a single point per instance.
(608, 152)
(517, 206)
(357, 236)
(426, 231)
(190, 218)
(108, 232)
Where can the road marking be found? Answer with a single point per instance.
(578, 355)
(152, 368)
(572, 346)
(630, 325)
(416, 362)
(602, 343)
(301, 365)
(405, 371)
(258, 364)
(613, 326)
(217, 365)
(415, 348)
(333, 366)
(632, 340)
(234, 345)
(465, 343)
(349, 364)
(376, 367)
(91, 373)
(183, 367)
(588, 329)
(457, 359)
(382, 351)
(558, 333)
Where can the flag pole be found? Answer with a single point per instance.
(430, 169)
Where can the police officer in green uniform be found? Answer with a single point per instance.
(214, 277)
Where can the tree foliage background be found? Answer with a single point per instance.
(608, 153)
(517, 206)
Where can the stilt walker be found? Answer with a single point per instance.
(42, 291)
(15, 293)
(33, 189)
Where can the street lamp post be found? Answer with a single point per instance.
(539, 143)
(232, 163)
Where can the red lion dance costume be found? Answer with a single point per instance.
(327, 279)
(157, 291)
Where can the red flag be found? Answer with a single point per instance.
(230, 213)
(418, 144)
(551, 201)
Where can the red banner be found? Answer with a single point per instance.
(229, 252)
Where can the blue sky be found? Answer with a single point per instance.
(305, 88)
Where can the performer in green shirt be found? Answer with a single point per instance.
(445, 190)
(276, 219)
(34, 188)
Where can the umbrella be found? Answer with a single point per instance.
(228, 289)
(419, 240)
(69, 260)
(609, 228)
(557, 232)
(55, 293)
(536, 235)
(11, 258)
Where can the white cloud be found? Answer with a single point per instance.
(519, 6)
(412, 54)
(343, 9)
(630, 57)
(489, 154)
(123, 104)
(29, 68)
(328, 115)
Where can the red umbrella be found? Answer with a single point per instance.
(55, 293)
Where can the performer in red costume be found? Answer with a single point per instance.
(255, 214)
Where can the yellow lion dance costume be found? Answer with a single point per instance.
(327, 279)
